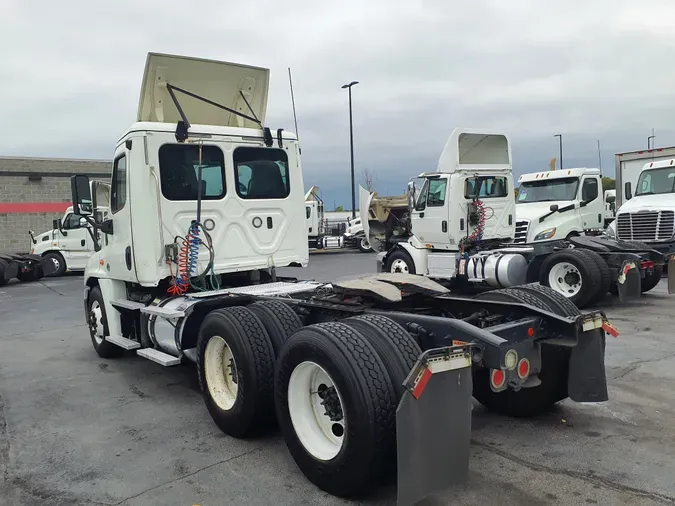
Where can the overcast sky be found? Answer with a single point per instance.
(601, 69)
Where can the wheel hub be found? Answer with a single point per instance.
(399, 266)
(330, 401)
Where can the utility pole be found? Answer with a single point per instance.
(651, 138)
(561, 160)
(351, 144)
(599, 158)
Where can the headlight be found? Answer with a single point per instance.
(546, 234)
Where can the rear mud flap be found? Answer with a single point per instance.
(48, 267)
(433, 425)
(587, 381)
(12, 270)
(628, 282)
(671, 274)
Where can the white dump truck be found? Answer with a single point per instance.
(462, 227)
(360, 374)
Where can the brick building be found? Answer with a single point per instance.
(34, 191)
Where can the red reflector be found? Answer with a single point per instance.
(497, 377)
(530, 332)
(421, 384)
(524, 368)
(610, 329)
(647, 264)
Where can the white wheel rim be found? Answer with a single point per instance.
(56, 263)
(221, 373)
(565, 278)
(98, 332)
(364, 244)
(322, 437)
(399, 265)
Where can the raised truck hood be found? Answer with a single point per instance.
(220, 82)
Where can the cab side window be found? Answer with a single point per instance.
(589, 190)
(71, 222)
(436, 196)
(118, 194)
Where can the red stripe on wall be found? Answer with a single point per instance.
(34, 207)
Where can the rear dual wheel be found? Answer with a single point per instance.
(337, 387)
(580, 275)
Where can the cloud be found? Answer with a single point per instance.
(71, 72)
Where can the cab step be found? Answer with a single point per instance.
(123, 342)
(159, 357)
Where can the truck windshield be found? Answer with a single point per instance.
(656, 181)
(548, 191)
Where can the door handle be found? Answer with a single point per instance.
(444, 226)
(82, 242)
(127, 257)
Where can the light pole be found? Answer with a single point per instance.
(651, 138)
(560, 136)
(351, 143)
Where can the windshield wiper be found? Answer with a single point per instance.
(559, 210)
(644, 193)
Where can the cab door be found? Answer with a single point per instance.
(591, 206)
(76, 246)
(429, 218)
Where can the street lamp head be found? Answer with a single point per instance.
(350, 84)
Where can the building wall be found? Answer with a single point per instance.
(34, 191)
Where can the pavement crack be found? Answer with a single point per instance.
(625, 371)
(579, 475)
(224, 461)
(52, 289)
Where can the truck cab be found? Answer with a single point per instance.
(69, 244)
(610, 206)
(467, 203)
(315, 217)
(558, 204)
(648, 215)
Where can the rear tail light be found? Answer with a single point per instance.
(647, 264)
(523, 368)
(497, 378)
(511, 359)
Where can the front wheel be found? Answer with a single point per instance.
(58, 261)
(400, 261)
(364, 245)
(98, 326)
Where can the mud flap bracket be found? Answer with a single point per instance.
(433, 424)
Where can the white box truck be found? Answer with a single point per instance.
(629, 165)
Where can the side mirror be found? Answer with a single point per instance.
(83, 222)
(554, 208)
(411, 195)
(627, 191)
(81, 193)
(56, 225)
(611, 198)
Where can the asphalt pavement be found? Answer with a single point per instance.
(78, 430)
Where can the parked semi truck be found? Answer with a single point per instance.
(648, 214)
(461, 226)
(363, 376)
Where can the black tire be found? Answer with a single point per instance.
(3, 266)
(366, 394)
(561, 304)
(605, 274)
(397, 348)
(57, 258)
(591, 277)
(533, 401)
(253, 354)
(360, 244)
(279, 320)
(400, 254)
(104, 349)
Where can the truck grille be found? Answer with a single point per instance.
(646, 226)
(522, 226)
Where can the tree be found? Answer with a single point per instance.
(368, 179)
(608, 184)
(515, 191)
(339, 209)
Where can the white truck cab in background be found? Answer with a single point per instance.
(648, 212)
(558, 204)
(69, 244)
(610, 206)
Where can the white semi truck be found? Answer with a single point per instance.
(206, 202)
(648, 214)
(70, 243)
(461, 226)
